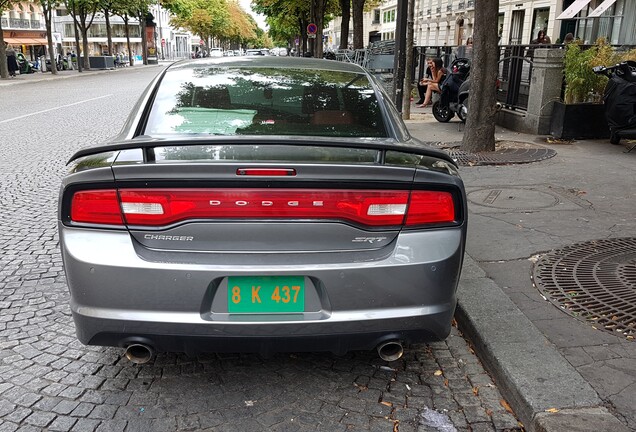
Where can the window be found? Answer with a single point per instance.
(376, 16)
(265, 101)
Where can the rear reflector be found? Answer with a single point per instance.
(160, 207)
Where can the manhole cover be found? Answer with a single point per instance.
(593, 281)
(512, 198)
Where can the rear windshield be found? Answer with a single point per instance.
(228, 100)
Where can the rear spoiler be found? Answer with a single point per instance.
(148, 144)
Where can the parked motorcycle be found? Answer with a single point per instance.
(620, 99)
(454, 93)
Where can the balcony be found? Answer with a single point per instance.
(17, 23)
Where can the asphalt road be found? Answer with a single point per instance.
(49, 381)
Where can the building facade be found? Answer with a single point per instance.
(451, 22)
(23, 28)
(171, 43)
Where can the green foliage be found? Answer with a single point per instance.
(582, 84)
(222, 19)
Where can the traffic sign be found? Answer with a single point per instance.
(312, 28)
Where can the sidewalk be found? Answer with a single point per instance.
(65, 74)
(558, 372)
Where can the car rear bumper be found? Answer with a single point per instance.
(118, 298)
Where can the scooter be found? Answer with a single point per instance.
(454, 93)
(620, 100)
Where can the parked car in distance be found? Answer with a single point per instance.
(279, 51)
(216, 52)
(262, 204)
(254, 52)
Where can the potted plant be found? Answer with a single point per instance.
(581, 114)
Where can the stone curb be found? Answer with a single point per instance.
(545, 391)
(45, 76)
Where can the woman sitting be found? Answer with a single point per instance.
(432, 84)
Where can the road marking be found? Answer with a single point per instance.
(53, 109)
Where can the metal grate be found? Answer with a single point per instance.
(501, 157)
(594, 282)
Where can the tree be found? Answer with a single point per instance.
(358, 23)
(241, 27)
(479, 134)
(48, 6)
(4, 70)
(121, 8)
(83, 13)
(106, 6)
(205, 18)
(286, 13)
(345, 6)
(359, 7)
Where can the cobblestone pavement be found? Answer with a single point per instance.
(50, 382)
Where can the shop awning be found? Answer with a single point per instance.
(26, 41)
(602, 8)
(574, 9)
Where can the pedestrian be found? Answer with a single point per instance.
(423, 83)
(569, 38)
(432, 85)
(542, 39)
(12, 62)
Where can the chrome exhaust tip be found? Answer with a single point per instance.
(139, 353)
(390, 350)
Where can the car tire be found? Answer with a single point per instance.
(442, 114)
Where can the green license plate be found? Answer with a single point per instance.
(265, 294)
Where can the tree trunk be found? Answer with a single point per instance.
(358, 24)
(87, 64)
(144, 39)
(319, 20)
(109, 32)
(77, 46)
(408, 65)
(4, 69)
(49, 39)
(127, 30)
(303, 37)
(345, 5)
(479, 134)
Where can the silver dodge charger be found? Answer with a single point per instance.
(262, 204)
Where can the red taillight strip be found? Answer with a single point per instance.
(160, 207)
(182, 204)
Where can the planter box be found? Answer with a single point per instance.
(101, 62)
(579, 121)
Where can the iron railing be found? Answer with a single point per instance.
(18, 23)
(515, 70)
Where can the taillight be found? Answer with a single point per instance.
(160, 207)
(96, 206)
(430, 207)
